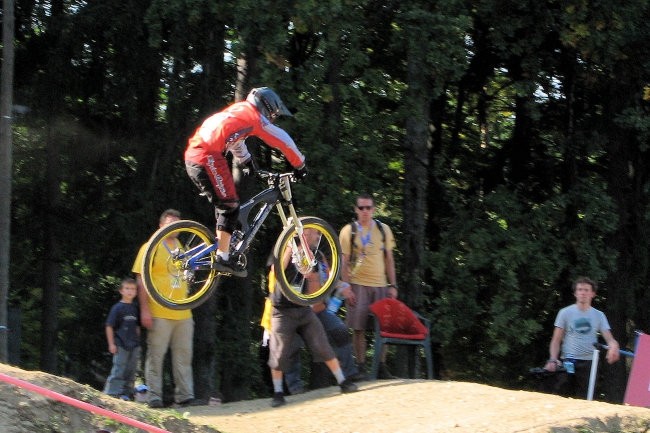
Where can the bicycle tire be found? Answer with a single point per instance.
(293, 278)
(168, 275)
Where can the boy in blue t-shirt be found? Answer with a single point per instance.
(123, 336)
(572, 345)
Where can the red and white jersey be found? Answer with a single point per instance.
(226, 130)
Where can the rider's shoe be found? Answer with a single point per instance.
(278, 400)
(228, 267)
(347, 386)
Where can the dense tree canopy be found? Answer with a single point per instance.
(506, 144)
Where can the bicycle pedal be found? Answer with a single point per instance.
(239, 274)
(227, 270)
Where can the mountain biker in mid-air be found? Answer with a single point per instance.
(223, 132)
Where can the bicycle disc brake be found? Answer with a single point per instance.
(175, 265)
(302, 263)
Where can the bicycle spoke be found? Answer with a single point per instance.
(315, 261)
(178, 265)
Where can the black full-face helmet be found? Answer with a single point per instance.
(268, 103)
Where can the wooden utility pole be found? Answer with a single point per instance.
(6, 102)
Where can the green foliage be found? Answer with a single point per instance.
(496, 267)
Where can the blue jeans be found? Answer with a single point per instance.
(339, 337)
(125, 364)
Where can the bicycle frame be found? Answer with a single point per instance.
(277, 194)
(197, 256)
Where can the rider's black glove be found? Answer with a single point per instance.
(248, 167)
(300, 172)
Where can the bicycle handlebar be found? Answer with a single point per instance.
(606, 347)
(271, 175)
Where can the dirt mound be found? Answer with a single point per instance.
(396, 406)
(26, 411)
(419, 406)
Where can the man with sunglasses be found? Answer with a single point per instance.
(368, 265)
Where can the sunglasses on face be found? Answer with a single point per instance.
(364, 207)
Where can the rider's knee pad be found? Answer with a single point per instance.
(227, 218)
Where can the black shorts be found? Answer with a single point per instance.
(289, 323)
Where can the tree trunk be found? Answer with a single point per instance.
(6, 166)
(204, 359)
(52, 216)
(416, 166)
(630, 239)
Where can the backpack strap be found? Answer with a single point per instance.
(353, 233)
(380, 226)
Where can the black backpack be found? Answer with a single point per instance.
(353, 233)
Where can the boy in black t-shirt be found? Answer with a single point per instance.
(123, 336)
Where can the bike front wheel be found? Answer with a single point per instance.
(307, 277)
(177, 268)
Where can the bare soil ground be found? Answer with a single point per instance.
(396, 406)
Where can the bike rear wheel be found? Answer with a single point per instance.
(307, 280)
(177, 268)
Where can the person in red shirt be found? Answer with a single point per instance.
(226, 131)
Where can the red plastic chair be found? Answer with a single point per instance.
(395, 323)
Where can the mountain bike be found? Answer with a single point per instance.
(183, 253)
